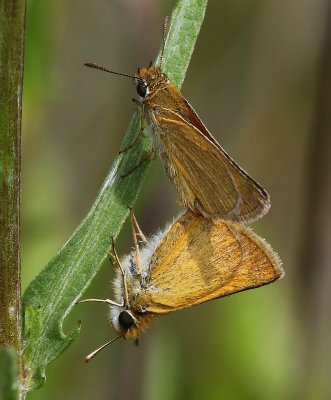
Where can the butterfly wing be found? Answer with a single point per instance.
(208, 180)
(199, 260)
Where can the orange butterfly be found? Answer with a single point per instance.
(192, 261)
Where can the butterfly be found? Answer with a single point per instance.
(208, 180)
(192, 261)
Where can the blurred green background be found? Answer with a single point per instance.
(258, 80)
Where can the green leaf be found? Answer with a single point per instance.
(185, 24)
(52, 294)
(8, 373)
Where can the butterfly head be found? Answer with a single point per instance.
(150, 79)
(130, 323)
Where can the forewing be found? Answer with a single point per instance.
(208, 180)
(199, 260)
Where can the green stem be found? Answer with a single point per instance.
(12, 31)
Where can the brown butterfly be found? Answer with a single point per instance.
(208, 180)
(192, 261)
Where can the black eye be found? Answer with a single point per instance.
(142, 88)
(125, 320)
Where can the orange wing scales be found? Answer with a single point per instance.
(200, 260)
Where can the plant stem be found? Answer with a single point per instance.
(12, 29)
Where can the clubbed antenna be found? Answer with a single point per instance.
(97, 351)
(96, 66)
(165, 28)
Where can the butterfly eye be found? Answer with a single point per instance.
(142, 88)
(126, 320)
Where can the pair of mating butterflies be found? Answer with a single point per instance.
(206, 253)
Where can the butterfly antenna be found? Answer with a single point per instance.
(96, 66)
(88, 358)
(108, 301)
(165, 28)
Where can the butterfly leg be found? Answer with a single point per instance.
(113, 254)
(112, 258)
(142, 127)
(136, 228)
(150, 156)
(142, 113)
(136, 232)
